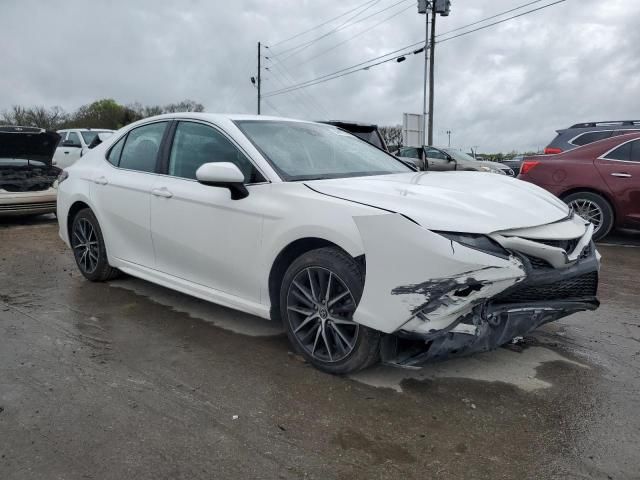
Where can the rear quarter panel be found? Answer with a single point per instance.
(563, 174)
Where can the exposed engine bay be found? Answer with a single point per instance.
(28, 177)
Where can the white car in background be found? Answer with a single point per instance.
(74, 143)
(359, 256)
(27, 178)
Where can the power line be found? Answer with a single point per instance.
(321, 24)
(350, 67)
(345, 24)
(356, 35)
(308, 106)
(315, 105)
(489, 18)
(291, 89)
(350, 70)
(501, 21)
(274, 108)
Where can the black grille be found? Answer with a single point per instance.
(583, 286)
(567, 245)
(538, 263)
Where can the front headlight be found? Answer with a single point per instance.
(484, 168)
(477, 242)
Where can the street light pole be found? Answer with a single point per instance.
(426, 75)
(259, 79)
(432, 51)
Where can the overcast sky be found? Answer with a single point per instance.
(506, 87)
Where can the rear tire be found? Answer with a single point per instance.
(319, 293)
(89, 249)
(593, 208)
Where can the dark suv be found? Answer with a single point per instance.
(584, 133)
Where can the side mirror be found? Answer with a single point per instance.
(223, 174)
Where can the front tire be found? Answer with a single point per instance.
(595, 209)
(318, 296)
(89, 249)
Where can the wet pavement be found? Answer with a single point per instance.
(131, 380)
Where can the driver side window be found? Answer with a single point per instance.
(195, 144)
(435, 154)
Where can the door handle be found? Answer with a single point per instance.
(100, 181)
(161, 192)
(621, 175)
(67, 152)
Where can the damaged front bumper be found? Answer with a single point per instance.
(472, 302)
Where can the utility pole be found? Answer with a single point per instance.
(259, 79)
(432, 50)
(426, 72)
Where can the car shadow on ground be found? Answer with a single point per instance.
(27, 220)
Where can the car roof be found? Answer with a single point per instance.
(85, 130)
(608, 123)
(224, 116)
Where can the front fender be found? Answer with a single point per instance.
(420, 281)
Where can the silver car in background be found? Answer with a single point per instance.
(447, 159)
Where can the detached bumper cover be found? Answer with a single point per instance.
(471, 302)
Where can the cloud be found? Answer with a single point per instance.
(503, 88)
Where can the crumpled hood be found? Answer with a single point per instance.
(472, 202)
(28, 143)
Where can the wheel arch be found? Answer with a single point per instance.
(287, 255)
(75, 207)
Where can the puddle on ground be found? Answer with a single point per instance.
(222, 317)
(501, 365)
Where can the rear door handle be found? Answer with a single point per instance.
(161, 192)
(621, 175)
(100, 181)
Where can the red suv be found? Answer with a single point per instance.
(600, 181)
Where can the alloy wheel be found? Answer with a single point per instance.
(320, 308)
(588, 210)
(85, 245)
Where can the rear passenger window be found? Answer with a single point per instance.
(623, 152)
(623, 132)
(635, 151)
(590, 137)
(141, 147)
(116, 151)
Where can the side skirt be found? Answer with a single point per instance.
(193, 289)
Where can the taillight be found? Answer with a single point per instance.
(552, 150)
(527, 165)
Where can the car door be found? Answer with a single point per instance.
(69, 150)
(620, 169)
(438, 160)
(121, 191)
(199, 233)
(413, 154)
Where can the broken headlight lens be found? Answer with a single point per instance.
(477, 242)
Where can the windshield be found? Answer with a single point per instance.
(309, 151)
(458, 155)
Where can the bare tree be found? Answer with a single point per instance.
(183, 106)
(38, 116)
(392, 136)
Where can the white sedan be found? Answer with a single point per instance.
(360, 257)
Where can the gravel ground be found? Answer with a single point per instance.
(131, 380)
